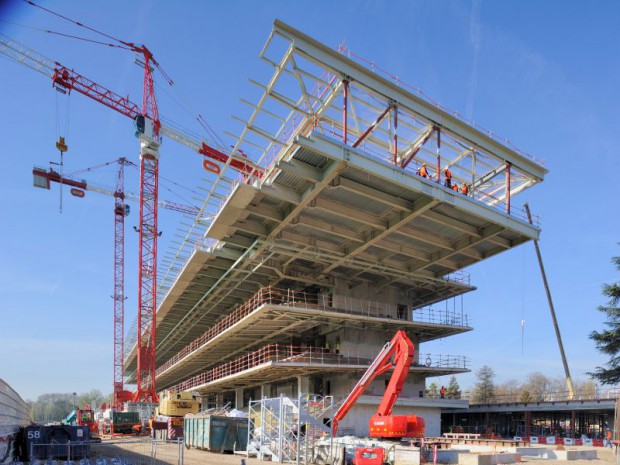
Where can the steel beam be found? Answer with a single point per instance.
(343, 66)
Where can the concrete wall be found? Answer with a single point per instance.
(367, 297)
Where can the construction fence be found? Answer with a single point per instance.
(117, 452)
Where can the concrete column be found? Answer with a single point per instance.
(265, 390)
(303, 385)
(528, 423)
(239, 398)
(573, 420)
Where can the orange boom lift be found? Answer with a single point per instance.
(397, 354)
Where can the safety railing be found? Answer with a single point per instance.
(332, 303)
(525, 396)
(288, 354)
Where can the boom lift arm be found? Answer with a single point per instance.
(398, 354)
(569, 380)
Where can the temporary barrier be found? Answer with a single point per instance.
(559, 441)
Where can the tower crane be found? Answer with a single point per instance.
(149, 130)
(43, 178)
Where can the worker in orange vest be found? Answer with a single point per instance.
(455, 187)
(423, 171)
(608, 437)
(465, 189)
(448, 176)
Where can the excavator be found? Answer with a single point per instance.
(398, 354)
(83, 416)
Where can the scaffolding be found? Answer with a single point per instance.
(271, 295)
(308, 359)
(286, 430)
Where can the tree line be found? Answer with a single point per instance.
(55, 407)
(536, 387)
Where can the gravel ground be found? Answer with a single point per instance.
(138, 453)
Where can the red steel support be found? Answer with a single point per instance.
(345, 110)
(407, 157)
(438, 155)
(508, 165)
(372, 126)
(395, 147)
(119, 281)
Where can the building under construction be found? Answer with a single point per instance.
(346, 231)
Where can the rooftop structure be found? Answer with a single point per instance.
(312, 262)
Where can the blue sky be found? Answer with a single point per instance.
(543, 74)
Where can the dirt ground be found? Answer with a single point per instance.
(139, 454)
(605, 457)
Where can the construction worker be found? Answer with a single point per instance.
(448, 176)
(422, 171)
(465, 189)
(455, 187)
(442, 392)
(608, 437)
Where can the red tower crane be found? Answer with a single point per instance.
(120, 211)
(43, 178)
(149, 129)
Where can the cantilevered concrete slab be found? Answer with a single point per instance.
(328, 211)
(274, 371)
(268, 323)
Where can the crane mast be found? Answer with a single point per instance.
(120, 212)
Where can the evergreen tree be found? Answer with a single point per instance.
(454, 390)
(608, 340)
(432, 391)
(525, 396)
(484, 390)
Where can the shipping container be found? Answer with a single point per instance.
(56, 441)
(124, 422)
(216, 433)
